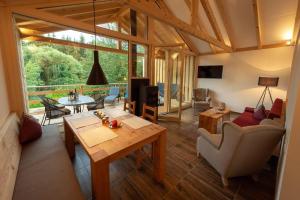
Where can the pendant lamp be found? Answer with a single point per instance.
(97, 76)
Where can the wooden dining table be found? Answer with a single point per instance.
(128, 140)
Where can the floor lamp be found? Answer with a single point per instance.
(267, 82)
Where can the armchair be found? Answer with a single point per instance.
(201, 99)
(53, 110)
(239, 151)
(99, 103)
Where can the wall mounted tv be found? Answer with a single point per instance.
(210, 71)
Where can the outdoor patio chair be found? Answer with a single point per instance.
(160, 93)
(126, 93)
(113, 94)
(53, 111)
(99, 103)
(52, 101)
(174, 90)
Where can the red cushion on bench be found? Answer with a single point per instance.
(30, 129)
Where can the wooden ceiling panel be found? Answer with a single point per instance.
(278, 19)
(90, 16)
(66, 11)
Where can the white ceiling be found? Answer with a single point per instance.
(277, 21)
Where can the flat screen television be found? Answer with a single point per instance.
(210, 71)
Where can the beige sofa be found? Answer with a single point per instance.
(239, 151)
(39, 170)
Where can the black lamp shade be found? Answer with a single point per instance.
(96, 77)
(268, 81)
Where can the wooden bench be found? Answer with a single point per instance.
(39, 170)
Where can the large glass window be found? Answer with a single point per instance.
(188, 79)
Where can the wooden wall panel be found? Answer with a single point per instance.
(10, 152)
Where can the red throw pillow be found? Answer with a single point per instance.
(30, 129)
(260, 113)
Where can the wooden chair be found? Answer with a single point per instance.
(130, 106)
(150, 114)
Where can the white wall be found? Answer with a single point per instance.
(238, 88)
(290, 174)
(4, 110)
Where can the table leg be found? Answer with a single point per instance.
(100, 179)
(159, 157)
(69, 140)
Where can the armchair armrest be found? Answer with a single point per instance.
(271, 122)
(207, 99)
(213, 139)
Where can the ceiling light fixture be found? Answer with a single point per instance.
(97, 76)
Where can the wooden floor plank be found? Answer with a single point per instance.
(187, 176)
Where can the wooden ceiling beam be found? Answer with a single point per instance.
(212, 19)
(296, 25)
(194, 12)
(256, 10)
(226, 21)
(71, 43)
(75, 24)
(183, 35)
(251, 48)
(69, 12)
(90, 16)
(122, 12)
(101, 20)
(200, 25)
(188, 42)
(152, 10)
(45, 3)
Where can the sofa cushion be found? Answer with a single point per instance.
(276, 109)
(30, 129)
(246, 119)
(45, 170)
(260, 113)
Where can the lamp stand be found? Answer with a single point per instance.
(263, 95)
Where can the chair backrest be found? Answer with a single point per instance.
(114, 91)
(245, 150)
(200, 94)
(174, 90)
(49, 108)
(49, 100)
(126, 93)
(129, 105)
(150, 113)
(160, 89)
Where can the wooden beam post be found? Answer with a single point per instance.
(133, 32)
(151, 49)
(297, 25)
(256, 11)
(12, 62)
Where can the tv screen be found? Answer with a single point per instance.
(211, 71)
